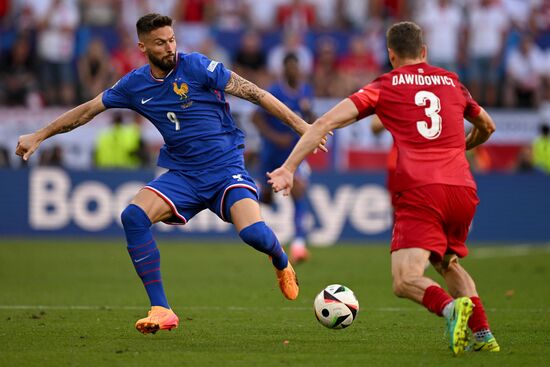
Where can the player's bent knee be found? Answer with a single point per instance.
(398, 288)
(404, 286)
(134, 217)
(259, 236)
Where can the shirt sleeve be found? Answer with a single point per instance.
(210, 73)
(117, 96)
(472, 107)
(365, 99)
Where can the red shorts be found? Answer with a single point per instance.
(434, 217)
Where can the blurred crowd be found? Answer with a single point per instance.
(63, 52)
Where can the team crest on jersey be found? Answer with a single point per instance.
(181, 90)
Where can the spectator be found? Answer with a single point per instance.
(296, 16)
(56, 46)
(487, 30)
(524, 71)
(292, 43)
(392, 9)
(250, 60)
(195, 11)
(120, 146)
(94, 70)
(519, 12)
(52, 156)
(525, 159)
(359, 66)
(541, 150)
(130, 10)
(17, 72)
(540, 20)
(4, 10)
(327, 79)
(327, 12)
(442, 24)
(375, 40)
(193, 18)
(98, 13)
(231, 15)
(357, 11)
(127, 56)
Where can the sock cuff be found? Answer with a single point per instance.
(435, 299)
(258, 226)
(134, 214)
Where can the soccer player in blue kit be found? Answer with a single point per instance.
(278, 139)
(183, 95)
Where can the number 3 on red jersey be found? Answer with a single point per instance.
(431, 111)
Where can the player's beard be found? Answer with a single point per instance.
(167, 63)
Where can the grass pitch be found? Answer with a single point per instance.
(66, 304)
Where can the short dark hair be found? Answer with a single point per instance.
(405, 39)
(152, 21)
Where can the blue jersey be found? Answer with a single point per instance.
(291, 98)
(189, 109)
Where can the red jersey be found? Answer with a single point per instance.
(423, 107)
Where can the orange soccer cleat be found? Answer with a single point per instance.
(158, 318)
(288, 282)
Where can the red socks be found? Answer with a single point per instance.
(435, 299)
(478, 320)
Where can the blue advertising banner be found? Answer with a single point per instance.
(344, 207)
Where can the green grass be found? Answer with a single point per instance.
(65, 304)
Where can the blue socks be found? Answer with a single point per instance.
(300, 209)
(262, 238)
(144, 253)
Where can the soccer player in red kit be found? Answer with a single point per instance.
(424, 108)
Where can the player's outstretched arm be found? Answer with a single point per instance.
(340, 115)
(484, 126)
(70, 120)
(242, 88)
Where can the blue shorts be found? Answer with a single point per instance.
(189, 193)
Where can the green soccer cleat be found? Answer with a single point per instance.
(488, 344)
(457, 324)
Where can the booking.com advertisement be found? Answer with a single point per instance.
(343, 207)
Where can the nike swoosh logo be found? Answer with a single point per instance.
(143, 258)
(144, 101)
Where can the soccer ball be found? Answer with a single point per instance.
(336, 306)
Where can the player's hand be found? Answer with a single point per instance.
(27, 145)
(323, 145)
(281, 179)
